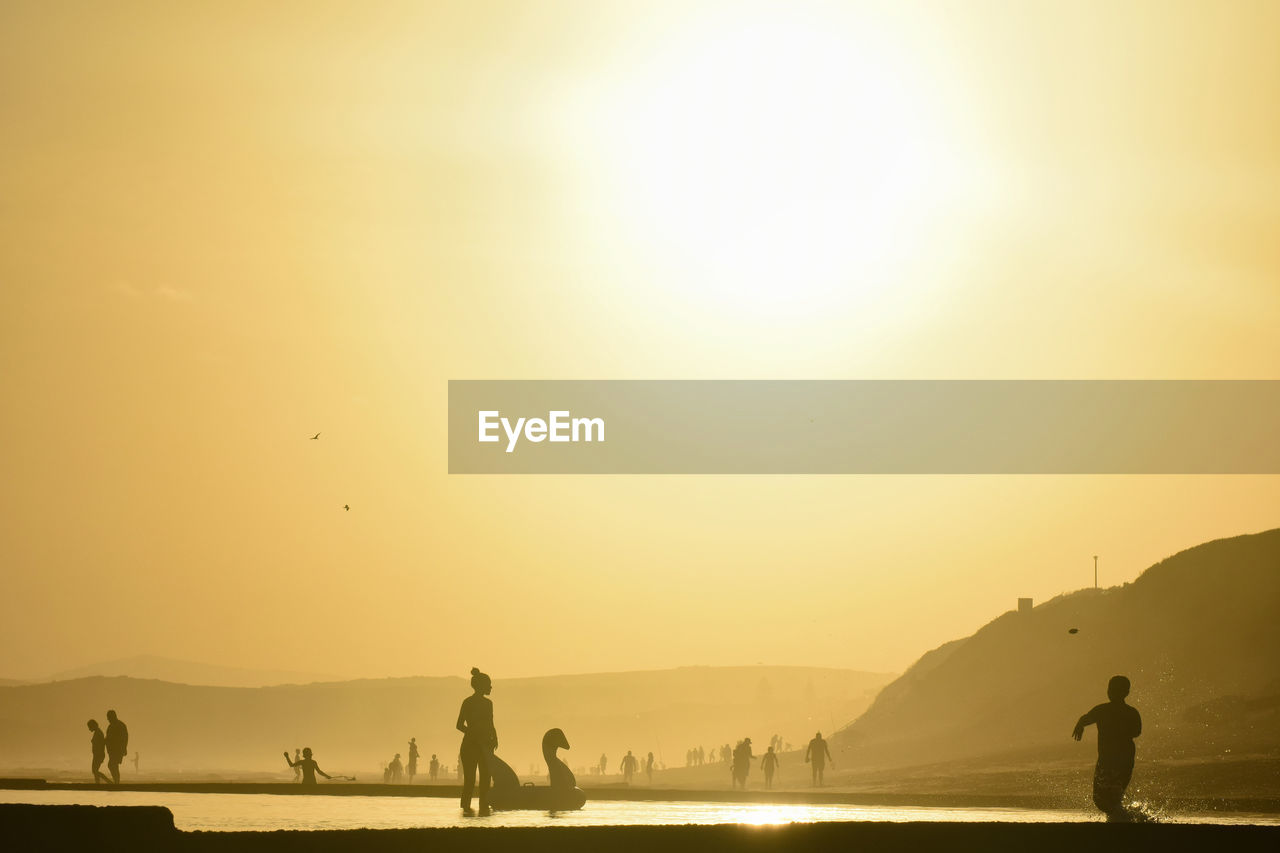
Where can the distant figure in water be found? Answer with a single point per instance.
(395, 770)
(818, 755)
(479, 739)
(434, 767)
(648, 767)
(297, 765)
(1118, 724)
(117, 744)
(413, 759)
(604, 762)
(135, 764)
(629, 766)
(769, 763)
(98, 743)
(307, 765)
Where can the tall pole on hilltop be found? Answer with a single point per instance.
(1095, 571)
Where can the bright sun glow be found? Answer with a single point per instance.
(781, 158)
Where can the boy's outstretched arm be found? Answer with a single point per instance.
(1085, 720)
(1088, 719)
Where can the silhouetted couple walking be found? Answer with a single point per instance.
(111, 745)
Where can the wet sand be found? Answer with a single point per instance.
(146, 828)
(1250, 805)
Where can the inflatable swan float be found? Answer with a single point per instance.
(563, 794)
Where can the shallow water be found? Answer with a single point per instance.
(234, 812)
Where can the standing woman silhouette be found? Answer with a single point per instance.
(479, 739)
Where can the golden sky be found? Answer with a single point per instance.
(226, 226)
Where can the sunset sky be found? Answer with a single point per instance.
(223, 229)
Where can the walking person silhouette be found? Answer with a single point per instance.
(769, 764)
(479, 739)
(629, 766)
(1118, 724)
(98, 743)
(117, 744)
(818, 755)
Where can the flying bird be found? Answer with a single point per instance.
(315, 437)
(347, 507)
(1073, 630)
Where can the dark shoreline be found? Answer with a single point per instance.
(1200, 805)
(134, 828)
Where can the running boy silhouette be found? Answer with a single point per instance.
(1118, 724)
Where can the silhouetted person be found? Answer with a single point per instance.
(395, 770)
(604, 762)
(479, 739)
(135, 764)
(742, 763)
(117, 744)
(98, 743)
(769, 763)
(413, 759)
(297, 765)
(818, 755)
(434, 767)
(629, 766)
(648, 767)
(1118, 724)
(307, 765)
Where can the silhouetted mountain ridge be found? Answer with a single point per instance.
(355, 725)
(1197, 633)
(189, 672)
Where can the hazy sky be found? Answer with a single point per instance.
(223, 229)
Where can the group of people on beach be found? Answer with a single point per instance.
(1118, 725)
(817, 754)
(110, 746)
(395, 772)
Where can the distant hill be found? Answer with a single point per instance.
(189, 672)
(355, 726)
(1198, 634)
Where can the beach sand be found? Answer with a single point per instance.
(147, 828)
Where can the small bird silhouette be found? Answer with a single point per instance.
(347, 507)
(315, 437)
(1073, 630)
